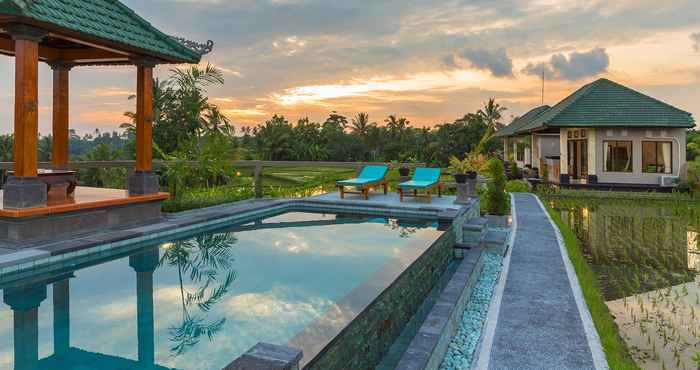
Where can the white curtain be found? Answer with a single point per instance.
(606, 155)
(666, 149)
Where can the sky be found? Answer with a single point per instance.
(430, 61)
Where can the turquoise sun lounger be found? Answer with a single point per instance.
(425, 179)
(370, 177)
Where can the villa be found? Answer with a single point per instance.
(604, 135)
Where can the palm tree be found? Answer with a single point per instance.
(492, 112)
(360, 124)
(200, 259)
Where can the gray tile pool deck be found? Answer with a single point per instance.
(540, 323)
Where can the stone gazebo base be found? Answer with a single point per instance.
(89, 210)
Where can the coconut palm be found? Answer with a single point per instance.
(360, 124)
(200, 260)
(492, 112)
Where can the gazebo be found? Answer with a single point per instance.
(67, 34)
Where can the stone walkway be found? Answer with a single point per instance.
(540, 322)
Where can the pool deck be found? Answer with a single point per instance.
(390, 200)
(538, 319)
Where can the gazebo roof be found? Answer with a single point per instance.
(106, 23)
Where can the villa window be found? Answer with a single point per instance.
(656, 157)
(618, 156)
(520, 153)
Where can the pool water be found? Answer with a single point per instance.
(200, 302)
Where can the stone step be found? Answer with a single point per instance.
(475, 224)
(496, 240)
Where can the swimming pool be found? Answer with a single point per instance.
(296, 278)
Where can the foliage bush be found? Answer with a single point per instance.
(518, 186)
(693, 182)
(495, 199)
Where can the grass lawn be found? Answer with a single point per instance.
(615, 349)
(623, 195)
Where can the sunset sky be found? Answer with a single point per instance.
(431, 61)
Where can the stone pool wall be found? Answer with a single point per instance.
(363, 342)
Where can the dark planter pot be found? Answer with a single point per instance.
(460, 178)
(471, 175)
(404, 171)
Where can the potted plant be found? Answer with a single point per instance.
(404, 170)
(474, 162)
(459, 169)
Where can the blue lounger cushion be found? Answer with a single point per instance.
(368, 175)
(423, 178)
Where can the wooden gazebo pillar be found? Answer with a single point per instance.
(61, 137)
(24, 189)
(143, 181)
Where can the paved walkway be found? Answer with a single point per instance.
(540, 325)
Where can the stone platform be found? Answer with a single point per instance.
(90, 209)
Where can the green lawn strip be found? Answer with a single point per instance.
(622, 195)
(616, 351)
(201, 198)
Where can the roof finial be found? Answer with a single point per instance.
(197, 47)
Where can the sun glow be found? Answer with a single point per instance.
(375, 87)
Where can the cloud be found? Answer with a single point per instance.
(696, 41)
(575, 66)
(495, 61)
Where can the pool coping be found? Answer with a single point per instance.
(430, 343)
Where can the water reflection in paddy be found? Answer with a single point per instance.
(646, 257)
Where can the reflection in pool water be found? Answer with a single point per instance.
(645, 255)
(197, 303)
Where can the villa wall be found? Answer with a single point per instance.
(596, 165)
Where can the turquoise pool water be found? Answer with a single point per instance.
(200, 302)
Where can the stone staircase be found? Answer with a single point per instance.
(477, 234)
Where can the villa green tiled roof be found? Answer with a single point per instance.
(604, 103)
(521, 121)
(104, 19)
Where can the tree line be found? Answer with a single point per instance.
(185, 122)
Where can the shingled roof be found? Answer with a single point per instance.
(103, 19)
(521, 121)
(604, 103)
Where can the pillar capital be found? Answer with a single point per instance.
(147, 261)
(25, 298)
(140, 61)
(20, 31)
(61, 65)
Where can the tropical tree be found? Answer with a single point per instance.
(6, 146)
(202, 260)
(360, 124)
(274, 139)
(492, 113)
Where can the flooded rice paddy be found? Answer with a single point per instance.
(646, 256)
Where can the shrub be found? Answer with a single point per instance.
(514, 171)
(495, 200)
(694, 176)
(518, 186)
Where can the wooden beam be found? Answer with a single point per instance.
(144, 118)
(60, 155)
(26, 107)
